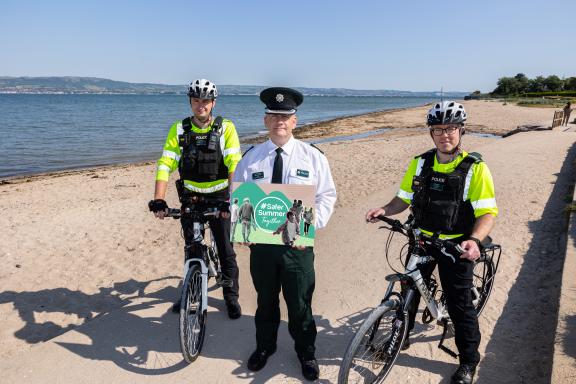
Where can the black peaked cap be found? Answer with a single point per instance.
(281, 100)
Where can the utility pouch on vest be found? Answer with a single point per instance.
(181, 190)
(215, 133)
(444, 215)
(188, 161)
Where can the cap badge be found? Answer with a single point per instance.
(279, 97)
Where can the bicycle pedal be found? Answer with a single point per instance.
(427, 317)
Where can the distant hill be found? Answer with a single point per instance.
(94, 85)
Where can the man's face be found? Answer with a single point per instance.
(280, 126)
(446, 137)
(202, 108)
(291, 218)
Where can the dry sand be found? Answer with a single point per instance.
(82, 248)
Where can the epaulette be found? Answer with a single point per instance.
(312, 145)
(476, 156)
(248, 150)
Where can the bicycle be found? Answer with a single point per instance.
(201, 264)
(376, 345)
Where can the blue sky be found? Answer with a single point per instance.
(406, 45)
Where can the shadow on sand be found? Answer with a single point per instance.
(537, 290)
(136, 330)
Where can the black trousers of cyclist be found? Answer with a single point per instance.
(456, 281)
(220, 228)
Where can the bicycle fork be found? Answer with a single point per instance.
(204, 276)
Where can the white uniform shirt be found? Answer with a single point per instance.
(302, 164)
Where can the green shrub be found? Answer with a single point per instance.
(544, 94)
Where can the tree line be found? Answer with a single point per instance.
(520, 84)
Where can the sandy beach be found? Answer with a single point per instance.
(89, 275)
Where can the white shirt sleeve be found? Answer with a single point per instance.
(325, 194)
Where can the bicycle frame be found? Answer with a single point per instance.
(413, 274)
(206, 267)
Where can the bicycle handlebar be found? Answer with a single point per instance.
(176, 213)
(446, 247)
(396, 225)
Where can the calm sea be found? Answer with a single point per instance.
(42, 133)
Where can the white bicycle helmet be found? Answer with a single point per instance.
(202, 89)
(447, 112)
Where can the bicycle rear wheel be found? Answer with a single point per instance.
(375, 347)
(192, 317)
(482, 282)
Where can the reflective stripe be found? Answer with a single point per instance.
(419, 166)
(441, 236)
(484, 203)
(170, 154)
(163, 167)
(179, 129)
(215, 188)
(231, 151)
(405, 195)
(467, 183)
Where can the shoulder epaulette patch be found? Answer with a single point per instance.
(476, 156)
(312, 145)
(248, 150)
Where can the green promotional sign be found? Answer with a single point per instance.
(273, 214)
(270, 213)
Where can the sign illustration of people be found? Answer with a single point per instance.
(290, 229)
(246, 217)
(308, 220)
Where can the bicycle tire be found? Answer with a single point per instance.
(192, 318)
(483, 281)
(374, 340)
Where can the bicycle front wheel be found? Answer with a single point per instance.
(482, 282)
(192, 316)
(375, 347)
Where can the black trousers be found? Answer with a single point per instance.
(276, 268)
(456, 281)
(221, 230)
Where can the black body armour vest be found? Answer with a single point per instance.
(201, 159)
(438, 203)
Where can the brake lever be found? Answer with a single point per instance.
(443, 250)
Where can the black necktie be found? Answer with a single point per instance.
(277, 171)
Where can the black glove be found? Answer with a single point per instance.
(224, 207)
(157, 205)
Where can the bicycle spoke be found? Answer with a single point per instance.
(192, 317)
(373, 351)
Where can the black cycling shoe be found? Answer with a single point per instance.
(310, 369)
(258, 359)
(464, 374)
(176, 307)
(234, 309)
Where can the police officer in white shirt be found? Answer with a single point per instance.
(285, 160)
